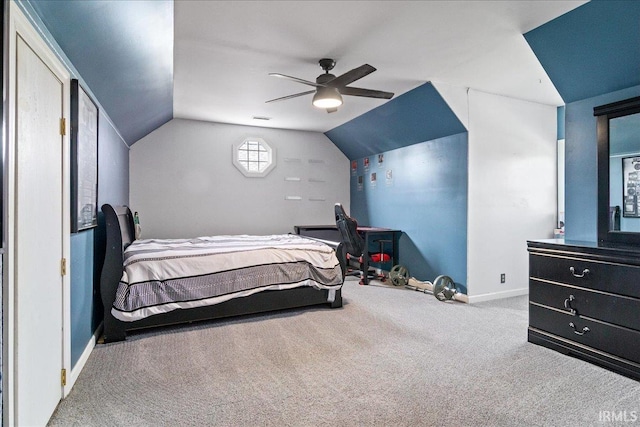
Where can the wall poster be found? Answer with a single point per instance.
(631, 187)
(389, 178)
(84, 159)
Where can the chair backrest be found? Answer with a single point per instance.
(348, 227)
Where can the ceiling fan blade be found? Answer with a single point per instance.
(355, 91)
(295, 95)
(352, 76)
(295, 79)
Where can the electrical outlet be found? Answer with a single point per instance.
(503, 278)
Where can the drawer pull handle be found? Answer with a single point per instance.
(567, 304)
(577, 332)
(584, 272)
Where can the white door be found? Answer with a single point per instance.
(38, 237)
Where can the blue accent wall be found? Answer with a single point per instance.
(591, 50)
(91, 35)
(426, 198)
(591, 54)
(88, 247)
(81, 292)
(581, 177)
(415, 116)
(425, 146)
(113, 188)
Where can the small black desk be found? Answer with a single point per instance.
(372, 235)
(369, 234)
(324, 232)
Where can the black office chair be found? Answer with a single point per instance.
(354, 247)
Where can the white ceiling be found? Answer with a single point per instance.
(224, 51)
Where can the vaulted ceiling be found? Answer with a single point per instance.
(150, 61)
(593, 50)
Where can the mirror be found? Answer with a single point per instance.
(624, 172)
(618, 131)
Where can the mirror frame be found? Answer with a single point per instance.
(603, 114)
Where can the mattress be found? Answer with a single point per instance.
(161, 275)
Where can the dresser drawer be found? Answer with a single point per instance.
(615, 309)
(615, 340)
(613, 278)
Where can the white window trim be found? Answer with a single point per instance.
(251, 174)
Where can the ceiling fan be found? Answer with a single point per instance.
(329, 88)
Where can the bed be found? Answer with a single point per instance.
(156, 282)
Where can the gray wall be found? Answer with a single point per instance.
(184, 184)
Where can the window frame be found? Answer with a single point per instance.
(271, 153)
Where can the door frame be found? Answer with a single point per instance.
(19, 24)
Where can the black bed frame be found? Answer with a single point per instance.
(120, 233)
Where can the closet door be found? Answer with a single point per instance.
(39, 163)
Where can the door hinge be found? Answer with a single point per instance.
(63, 267)
(63, 126)
(63, 377)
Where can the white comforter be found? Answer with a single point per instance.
(165, 275)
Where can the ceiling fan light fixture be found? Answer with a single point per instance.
(327, 97)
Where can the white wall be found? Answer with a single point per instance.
(183, 182)
(512, 190)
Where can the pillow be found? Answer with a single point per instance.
(137, 229)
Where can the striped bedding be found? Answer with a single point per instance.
(164, 275)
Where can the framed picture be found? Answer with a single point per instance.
(84, 159)
(631, 187)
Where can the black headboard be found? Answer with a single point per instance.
(124, 219)
(119, 234)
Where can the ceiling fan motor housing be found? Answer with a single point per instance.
(325, 78)
(327, 64)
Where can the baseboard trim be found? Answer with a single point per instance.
(462, 298)
(498, 295)
(75, 372)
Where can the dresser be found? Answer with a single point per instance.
(584, 300)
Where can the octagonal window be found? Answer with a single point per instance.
(254, 157)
